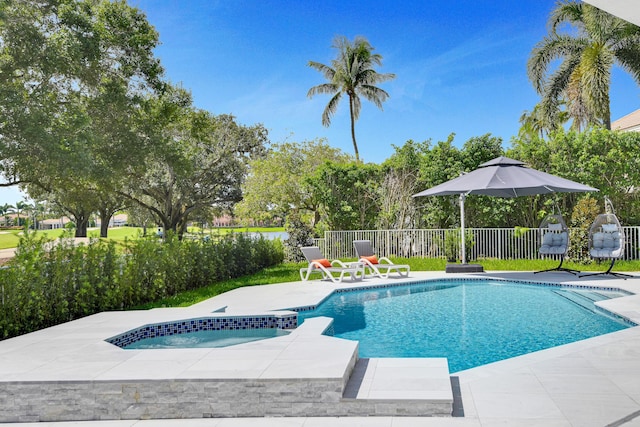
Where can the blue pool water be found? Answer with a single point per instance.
(207, 339)
(469, 322)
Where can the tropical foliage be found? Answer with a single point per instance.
(588, 42)
(275, 186)
(350, 195)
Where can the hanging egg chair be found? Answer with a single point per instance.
(554, 235)
(606, 240)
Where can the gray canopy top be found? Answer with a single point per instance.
(505, 177)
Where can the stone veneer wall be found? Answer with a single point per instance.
(116, 400)
(78, 401)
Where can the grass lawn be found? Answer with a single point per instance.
(227, 230)
(118, 234)
(10, 238)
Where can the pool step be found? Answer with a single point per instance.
(407, 385)
(584, 299)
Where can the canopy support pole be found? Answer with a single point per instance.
(464, 267)
(462, 236)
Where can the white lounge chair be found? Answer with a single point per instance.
(319, 264)
(380, 267)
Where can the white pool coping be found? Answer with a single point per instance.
(591, 382)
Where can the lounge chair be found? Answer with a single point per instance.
(380, 267)
(319, 264)
(606, 241)
(554, 235)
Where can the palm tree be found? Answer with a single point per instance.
(34, 210)
(20, 206)
(5, 210)
(587, 54)
(351, 73)
(536, 124)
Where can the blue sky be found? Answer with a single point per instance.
(460, 66)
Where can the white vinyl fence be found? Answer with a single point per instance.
(499, 243)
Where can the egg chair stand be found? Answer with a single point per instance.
(560, 268)
(609, 272)
(606, 241)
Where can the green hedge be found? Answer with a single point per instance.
(44, 285)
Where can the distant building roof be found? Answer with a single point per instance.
(625, 9)
(62, 220)
(630, 122)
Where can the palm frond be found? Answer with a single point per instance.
(577, 107)
(549, 49)
(558, 81)
(629, 59)
(330, 109)
(567, 12)
(373, 94)
(371, 77)
(627, 51)
(326, 71)
(328, 88)
(595, 80)
(601, 26)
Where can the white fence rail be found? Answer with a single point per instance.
(499, 243)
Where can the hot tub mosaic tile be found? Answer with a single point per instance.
(287, 321)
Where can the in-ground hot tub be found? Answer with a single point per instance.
(206, 332)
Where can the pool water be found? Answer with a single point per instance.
(207, 339)
(471, 323)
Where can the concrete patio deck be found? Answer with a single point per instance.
(595, 382)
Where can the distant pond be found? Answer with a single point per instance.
(272, 235)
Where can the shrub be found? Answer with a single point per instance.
(300, 234)
(451, 244)
(46, 284)
(582, 216)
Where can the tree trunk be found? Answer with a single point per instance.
(607, 111)
(104, 226)
(182, 229)
(106, 212)
(81, 225)
(607, 120)
(105, 217)
(353, 128)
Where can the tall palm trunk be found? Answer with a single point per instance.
(607, 114)
(353, 128)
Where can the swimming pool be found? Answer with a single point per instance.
(471, 323)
